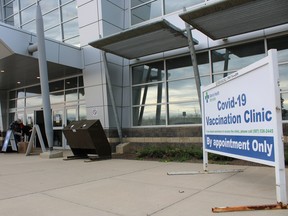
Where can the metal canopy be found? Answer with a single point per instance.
(223, 18)
(145, 40)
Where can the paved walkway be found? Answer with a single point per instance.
(33, 186)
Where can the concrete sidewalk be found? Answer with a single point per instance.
(32, 186)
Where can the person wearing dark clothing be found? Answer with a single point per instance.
(16, 128)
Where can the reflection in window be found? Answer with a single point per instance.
(71, 95)
(33, 91)
(49, 19)
(149, 115)
(69, 11)
(284, 105)
(172, 5)
(28, 14)
(57, 138)
(237, 57)
(81, 94)
(34, 101)
(71, 83)
(146, 12)
(182, 90)
(57, 118)
(57, 97)
(148, 94)
(283, 77)
(184, 113)
(54, 33)
(20, 103)
(56, 86)
(48, 5)
(68, 29)
(148, 73)
(279, 43)
(82, 112)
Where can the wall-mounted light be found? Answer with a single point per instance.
(2, 71)
(18, 82)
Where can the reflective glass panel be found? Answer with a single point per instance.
(138, 2)
(48, 5)
(57, 97)
(28, 14)
(281, 44)
(54, 33)
(71, 95)
(51, 19)
(182, 67)
(57, 138)
(82, 112)
(81, 82)
(284, 105)
(20, 103)
(71, 83)
(34, 101)
(20, 93)
(148, 94)
(25, 3)
(14, 20)
(184, 113)
(283, 76)
(69, 11)
(11, 8)
(81, 94)
(30, 118)
(146, 12)
(71, 115)
(237, 57)
(12, 94)
(70, 29)
(57, 118)
(56, 86)
(12, 104)
(148, 73)
(31, 27)
(33, 91)
(182, 90)
(73, 41)
(172, 5)
(149, 115)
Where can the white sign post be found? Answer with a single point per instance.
(241, 118)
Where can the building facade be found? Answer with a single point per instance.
(154, 97)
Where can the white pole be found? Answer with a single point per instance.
(43, 71)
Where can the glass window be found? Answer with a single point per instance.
(70, 29)
(31, 26)
(82, 112)
(283, 76)
(12, 104)
(12, 94)
(13, 20)
(33, 91)
(48, 5)
(182, 90)
(146, 12)
(148, 94)
(51, 19)
(138, 2)
(149, 115)
(148, 73)
(57, 118)
(71, 114)
(64, 1)
(172, 5)
(20, 93)
(57, 97)
(34, 101)
(20, 103)
(11, 8)
(56, 86)
(54, 33)
(28, 14)
(184, 113)
(182, 67)
(71, 95)
(284, 105)
(237, 57)
(71, 83)
(69, 11)
(281, 44)
(81, 94)
(57, 138)
(25, 3)
(73, 41)
(81, 81)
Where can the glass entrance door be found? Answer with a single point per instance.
(71, 115)
(58, 124)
